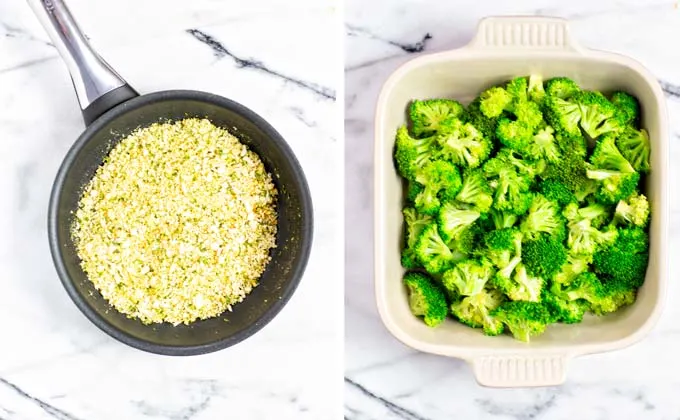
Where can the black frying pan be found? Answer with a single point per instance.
(112, 110)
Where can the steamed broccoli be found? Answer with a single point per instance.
(475, 191)
(634, 210)
(525, 207)
(435, 177)
(475, 311)
(523, 319)
(634, 146)
(468, 277)
(425, 299)
(427, 116)
(463, 144)
(433, 253)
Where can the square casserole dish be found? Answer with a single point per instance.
(505, 47)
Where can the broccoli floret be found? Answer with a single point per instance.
(507, 157)
(517, 88)
(463, 144)
(632, 240)
(543, 217)
(564, 310)
(412, 154)
(467, 241)
(511, 192)
(570, 170)
(523, 319)
(493, 101)
(468, 277)
(504, 248)
(627, 106)
(615, 298)
(573, 145)
(535, 89)
(426, 299)
(613, 186)
(634, 146)
(503, 219)
(415, 223)
(634, 211)
(563, 115)
(598, 115)
(432, 251)
(543, 145)
(625, 269)
(583, 237)
(521, 286)
(607, 156)
(485, 125)
(527, 112)
(427, 116)
(561, 87)
(454, 219)
(514, 134)
(544, 256)
(436, 176)
(475, 311)
(556, 191)
(575, 265)
(476, 191)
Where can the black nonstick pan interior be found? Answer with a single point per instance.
(294, 222)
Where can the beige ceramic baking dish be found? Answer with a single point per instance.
(505, 47)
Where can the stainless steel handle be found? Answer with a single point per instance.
(92, 76)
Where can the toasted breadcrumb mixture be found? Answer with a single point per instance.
(178, 223)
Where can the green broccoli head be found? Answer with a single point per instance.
(427, 116)
(543, 217)
(414, 223)
(602, 296)
(634, 146)
(627, 106)
(426, 299)
(435, 177)
(507, 157)
(511, 192)
(463, 144)
(467, 241)
(544, 256)
(433, 253)
(518, 88)
(475, 311)
(535, 89)
(564, 310)
(485, 125)
(468, 277)
(598, 115)
(493, 101)
(476, 190)
(563, 115)
(570, 170)
(521, 286)
(516, 135)
(453, 219)
(503, 219)
(633, 211)
(572, 144)
(543, 145)
(625, 269)
(575, 265)
(412, 154)
(523, 319)
(503, 247)
(615, 298)
(583, 237)
(555, 191)
(608, 157)
(528, 112)
(561, 87)
(613, 186)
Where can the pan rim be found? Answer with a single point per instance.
(295, 275)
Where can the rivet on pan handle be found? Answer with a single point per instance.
(520, 371)
(524, 33)
(98, 87)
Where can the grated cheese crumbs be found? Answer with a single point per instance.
(178, 223)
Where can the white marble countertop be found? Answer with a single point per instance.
(386, 380)
(277, 57)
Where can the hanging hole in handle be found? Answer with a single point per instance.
(514, 371)
(524, 33)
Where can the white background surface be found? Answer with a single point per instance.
(386, 380)
(54, 364)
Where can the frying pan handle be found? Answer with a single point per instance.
(98, 87)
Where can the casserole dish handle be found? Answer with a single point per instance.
(520, 370)
(511, 33)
